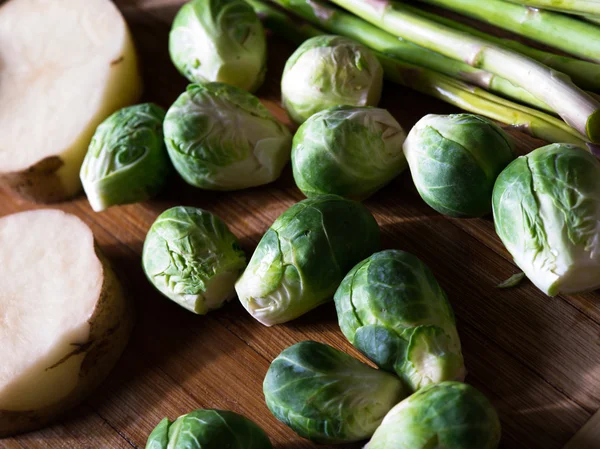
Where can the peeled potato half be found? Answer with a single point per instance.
(65, 65)
(64, 320)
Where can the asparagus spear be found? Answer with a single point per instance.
(593, 19)
(583, 73)
(338, 21)
(560, 31)
(556, 89)
(579, 7)
(457, 93)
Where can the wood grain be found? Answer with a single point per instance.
(536, 358)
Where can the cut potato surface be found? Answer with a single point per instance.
(64, 320)
(65, 65)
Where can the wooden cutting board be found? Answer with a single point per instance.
(536, 358)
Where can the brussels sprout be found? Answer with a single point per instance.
(327, 396)
(222, 138)
(327, 71)
(391, 308)
(219, 40)
(547, 214)
(208, 429)
(450, 415)
(126, 161)
(303, 257)
(349, 151)
(455, 160)
(192, 258)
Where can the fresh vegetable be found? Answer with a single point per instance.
(568, 6)
(451, 415)
(58, 81)
(208, 429)
(219, 40)
(454, 161)
(556, 30)
(455, 92)
(220, 137)
(349, 151)
(127, 160)
(576, 107)
(327, 71)
(65, 319)
(192, 258)
(303, 257)
(327, 396)
(338, 21)
(583, 73)
(546, 212)
(391, 308)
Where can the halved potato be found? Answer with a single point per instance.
(65, 65)
(64, 320)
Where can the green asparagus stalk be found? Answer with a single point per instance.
(583, 73)
(593, 19)
(560, 31)
(337, 21)
(556, 89)
(579, 7)
(465, 96)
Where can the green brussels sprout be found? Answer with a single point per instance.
(208, 429)
(449, 415)
(126, 161)
(346, 150)
(546, 212)
(192, 258)
(391, 308)
(455, 160)
(327, 396)
(327, 71)
(303, 257)
(219, 40)
(220, 137)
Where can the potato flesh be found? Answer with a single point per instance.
(51, 282)
(65, 65)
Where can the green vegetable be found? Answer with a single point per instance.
(546, 212)
(452, 91)
(192, 258)
(391, 308)
(126, 161)
(556, 30)
(568, 6)
(340, 22)
(327, 71)
(219, 40)
(303, 257)
(349, 151)
(327, 396)
(455, 160)
(576, 107)
(450, 415)
(583, 73)
(512, 281)
(208, 429)
(222, 138)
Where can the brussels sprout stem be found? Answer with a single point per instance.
(340, 22)
(583, 73)
(457, 93)
(577, 37)
(556, 89)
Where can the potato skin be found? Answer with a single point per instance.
(110, 328)
(39, 183)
